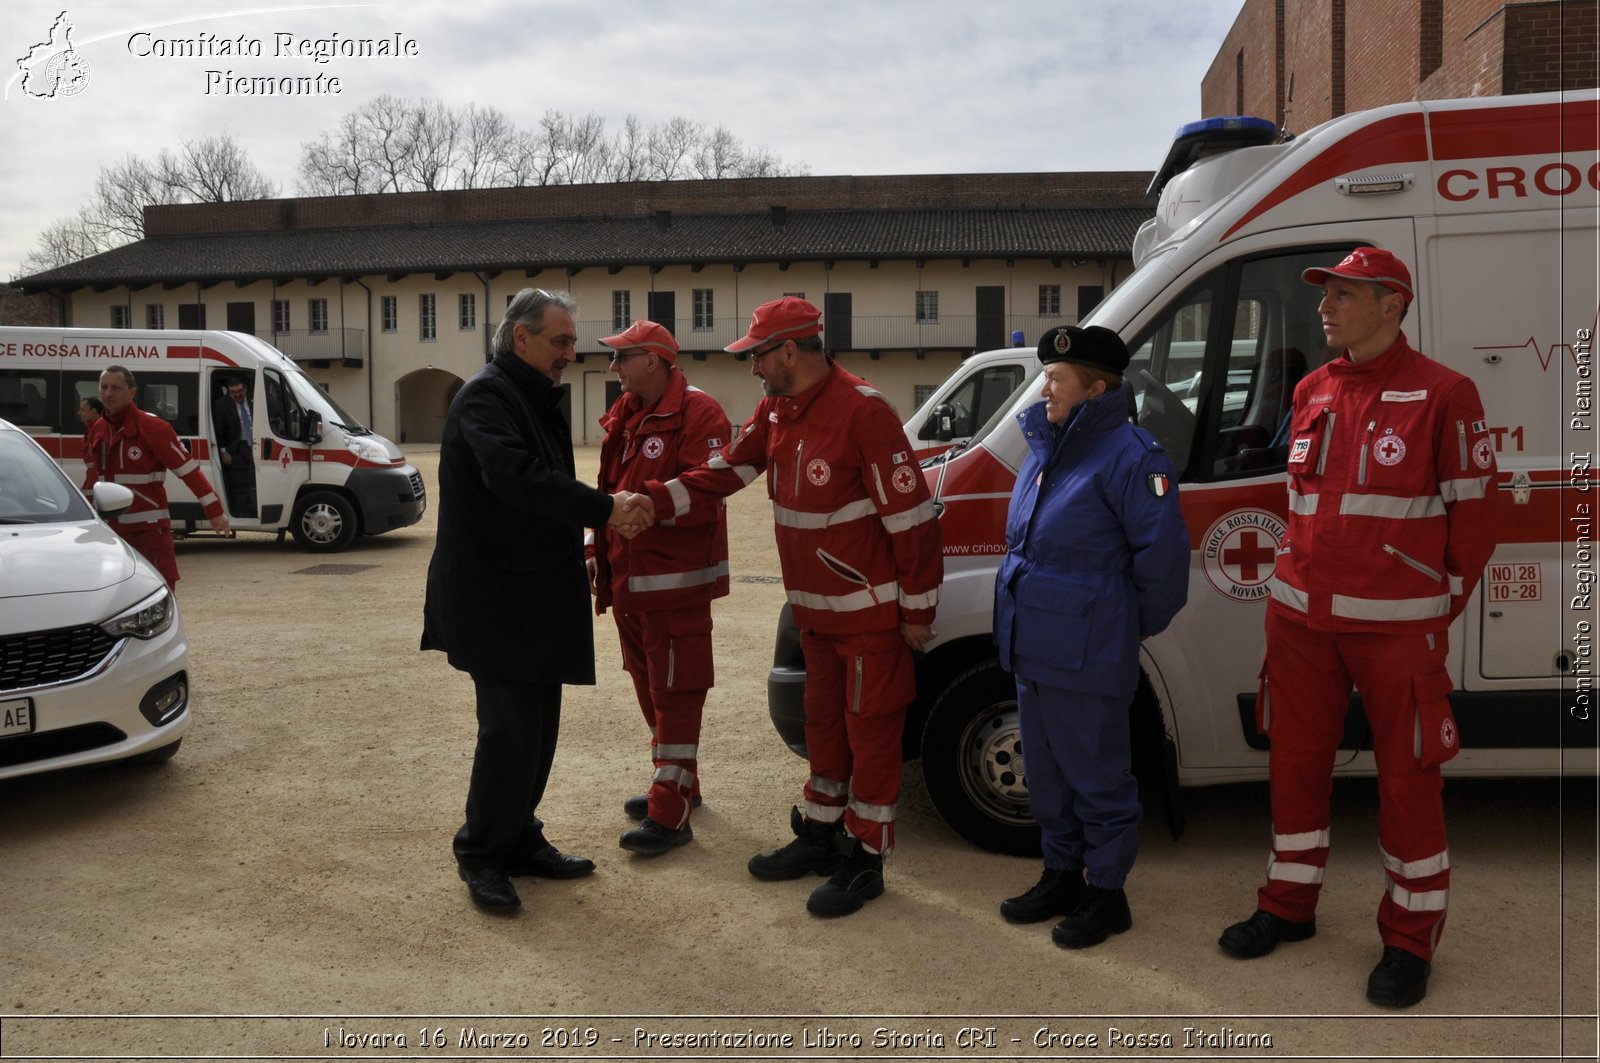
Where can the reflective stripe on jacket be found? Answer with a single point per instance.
(857, 537)
(1392, 486)
(139, 453)
(680, 561)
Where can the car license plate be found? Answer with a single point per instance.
(16, 717)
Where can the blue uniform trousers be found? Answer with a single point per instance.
(1077, 754)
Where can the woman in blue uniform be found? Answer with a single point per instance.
(1097, 559)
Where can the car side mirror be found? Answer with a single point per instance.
(943, 420)
(111, 499)
(310, 426)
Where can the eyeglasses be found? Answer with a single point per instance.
(618, 357)
(756, 356)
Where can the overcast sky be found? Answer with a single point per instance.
(843, 86)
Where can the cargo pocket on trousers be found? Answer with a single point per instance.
(689, 663)
(1436, 739)
(1263, 702)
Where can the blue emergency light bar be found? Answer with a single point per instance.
(1208, 136)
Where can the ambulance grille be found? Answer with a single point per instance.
(37, 658)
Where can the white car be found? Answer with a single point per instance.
(93, 658)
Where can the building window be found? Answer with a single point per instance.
(280, 315)
(621, 309)
(428, 317)
(155, 315)
(317, 312)
(390, 313)
(927, 307)
(703, 314)
(1089, 296)
(119, 317)
(1049, 300)
(466, 312)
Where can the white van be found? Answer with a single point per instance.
(1493, 202)
(974, 392)
(318, 472)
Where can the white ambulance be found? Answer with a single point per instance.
(978, 389)
(1493, 202)
(318, 472)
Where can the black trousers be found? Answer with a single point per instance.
(517, 727)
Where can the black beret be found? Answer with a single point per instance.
(1096, 346)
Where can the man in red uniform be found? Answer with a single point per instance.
(859, 546)
(134, 448)
(1391, 520)
(660, 585)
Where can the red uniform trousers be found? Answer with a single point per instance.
(857, 691)
(1404, 690)
(154, 542)
(667, 653)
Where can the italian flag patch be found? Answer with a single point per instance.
(1158, 483)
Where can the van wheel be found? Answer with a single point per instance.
(972, 762)
(324, 522)
(157, 756)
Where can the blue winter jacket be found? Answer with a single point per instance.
(1097, 556)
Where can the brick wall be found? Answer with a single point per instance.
(1349, 55)
(19, 309)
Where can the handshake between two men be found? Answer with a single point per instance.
(631, 513)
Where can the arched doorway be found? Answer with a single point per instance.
(421, 400)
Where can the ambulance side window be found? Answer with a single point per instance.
(283, 412)
(1166, 370)
(24, 398)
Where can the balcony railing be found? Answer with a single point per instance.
(344, 345)
(899, 332)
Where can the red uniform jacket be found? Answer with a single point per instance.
(1392, 487)
(138, 453)
(678, 562)
(857, 537)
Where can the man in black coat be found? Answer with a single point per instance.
(235, 446)
(508, 597)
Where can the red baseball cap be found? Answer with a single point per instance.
(647, 335)
(1368, 264)
(789, 318)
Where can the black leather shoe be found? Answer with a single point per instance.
(1400, 979)
(857, 880)
(1057, 892)
(1100, 914)
(650, 838)
(550, 862)
(638, 806)
(1261, 933)
(814, 851)
(491, 890)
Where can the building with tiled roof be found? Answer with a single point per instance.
(389, 300)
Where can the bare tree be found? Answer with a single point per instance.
(210, 170)
(487, 148)
(62, 242)
(718, 155)
(434, 135)
(672, 146)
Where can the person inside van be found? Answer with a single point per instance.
(235, 430)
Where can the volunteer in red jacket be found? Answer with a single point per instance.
(859, 546)
(660, 585)
(136, 449)
(1391, 520)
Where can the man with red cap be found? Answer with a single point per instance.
(1391, 520)
(859, 546)
(660, 585)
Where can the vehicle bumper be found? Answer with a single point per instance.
(388, 498)
(98, 718)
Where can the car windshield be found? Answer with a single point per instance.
(313, 397)
(33, 490)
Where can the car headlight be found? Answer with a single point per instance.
(146, 620)
(367, 450)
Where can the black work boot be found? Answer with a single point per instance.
(858, 879)
(650, 838)
(1400, 979)
(811, 853)
(638, 806)
(1057, 892)
(1261, 933)
(1100, 914)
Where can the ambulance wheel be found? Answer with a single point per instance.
(324, 522)
(972, 762)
